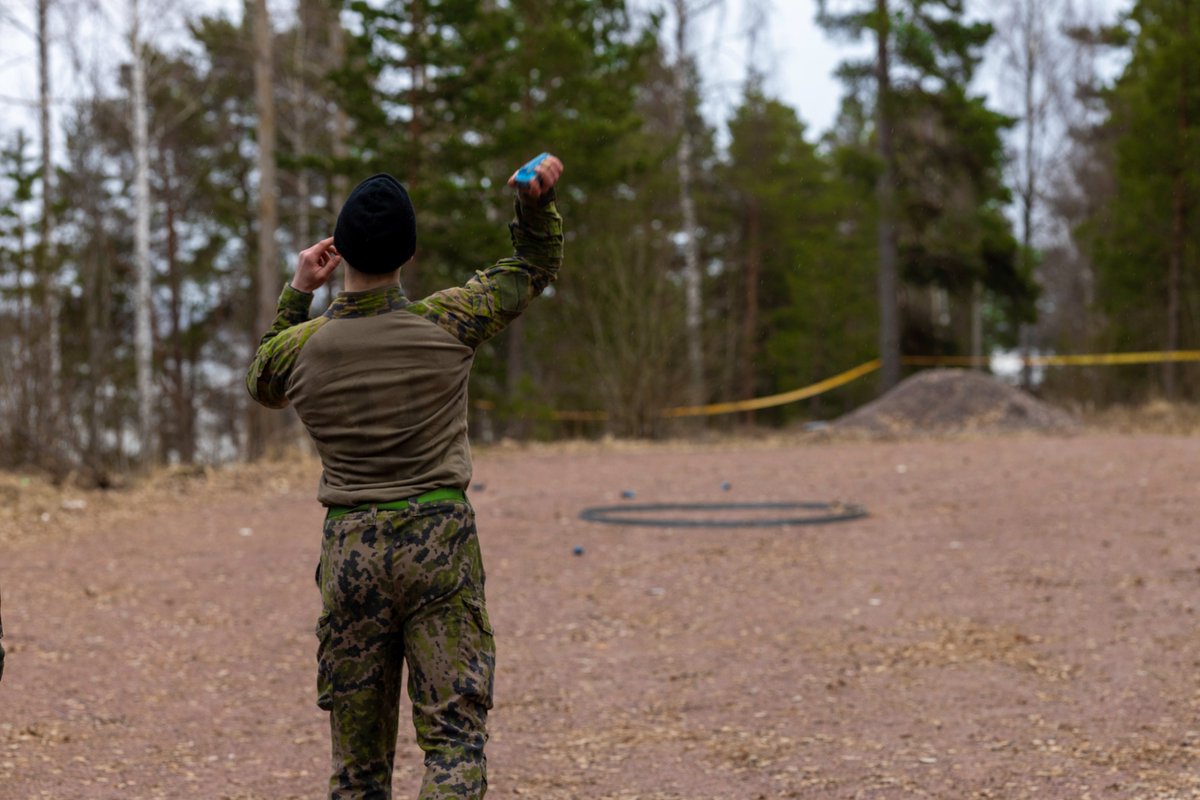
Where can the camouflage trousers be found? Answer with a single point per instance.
(405, 586)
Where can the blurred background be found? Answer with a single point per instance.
(759, 194)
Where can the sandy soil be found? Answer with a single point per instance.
(1016, 619)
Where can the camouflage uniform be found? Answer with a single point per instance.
(405, 585)
(380, 383)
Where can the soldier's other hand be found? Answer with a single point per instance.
(315, 266)
(547, 174)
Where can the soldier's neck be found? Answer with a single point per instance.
(356, 281)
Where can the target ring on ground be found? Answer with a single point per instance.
(724, 515)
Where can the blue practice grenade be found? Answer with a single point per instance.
(527, 173)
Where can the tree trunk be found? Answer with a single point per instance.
(1029, 189)
(1175, 281)
(888, 283)
(693, 308)
(977, 324)
(516, 426)
(143, 336)
(337, 54)
(26, 370)
(183, 437)
(416, 127)
(97, 322)
(1178, 245)
(91, 320)
(301, 91)
(753, 262)
(340, 187)
(264, 426)
(50, 388)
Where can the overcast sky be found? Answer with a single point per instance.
(799, 58)
(796, 56)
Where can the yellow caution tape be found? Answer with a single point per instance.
(851, 375)
(1115, 358)
(1091, 360)
(793, 396)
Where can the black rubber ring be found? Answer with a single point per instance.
(610, 515)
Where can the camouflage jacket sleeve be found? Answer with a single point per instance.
(277, 351)
(478, 310)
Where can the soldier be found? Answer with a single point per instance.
(380, 383)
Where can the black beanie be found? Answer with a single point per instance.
(377, 228)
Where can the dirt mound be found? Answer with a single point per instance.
(954, 401)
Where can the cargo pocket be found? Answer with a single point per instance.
(478, 651)
(513, 291)
(324, 667)
(323, 632)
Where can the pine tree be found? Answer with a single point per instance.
(1145, 241)
(945, 171)
(18, 270)
(451, 97)
(803, 247)
(876, 17)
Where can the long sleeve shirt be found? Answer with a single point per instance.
(380, 382)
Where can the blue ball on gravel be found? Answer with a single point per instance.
(578, 550)
(628, 494)
(726, 486)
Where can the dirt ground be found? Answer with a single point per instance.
(1016, 619)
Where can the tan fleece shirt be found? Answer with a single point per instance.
(380, 382)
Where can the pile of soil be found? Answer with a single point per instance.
(943, 402)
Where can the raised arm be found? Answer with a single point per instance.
(267, 377)
(478, 310)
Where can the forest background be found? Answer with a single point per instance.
(148, 223)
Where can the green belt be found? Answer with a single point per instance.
(399, 505)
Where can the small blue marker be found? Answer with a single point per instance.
(527, 173)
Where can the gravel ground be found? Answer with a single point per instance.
(1016, 619)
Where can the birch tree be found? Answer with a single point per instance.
(1035, 62)
(143, 332)
(268, 212)
(49, 429)
(267, 269)
(692, 277)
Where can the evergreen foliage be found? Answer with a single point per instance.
(1144, 237)
(452, 95)
(804, 246)
(950, 195)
